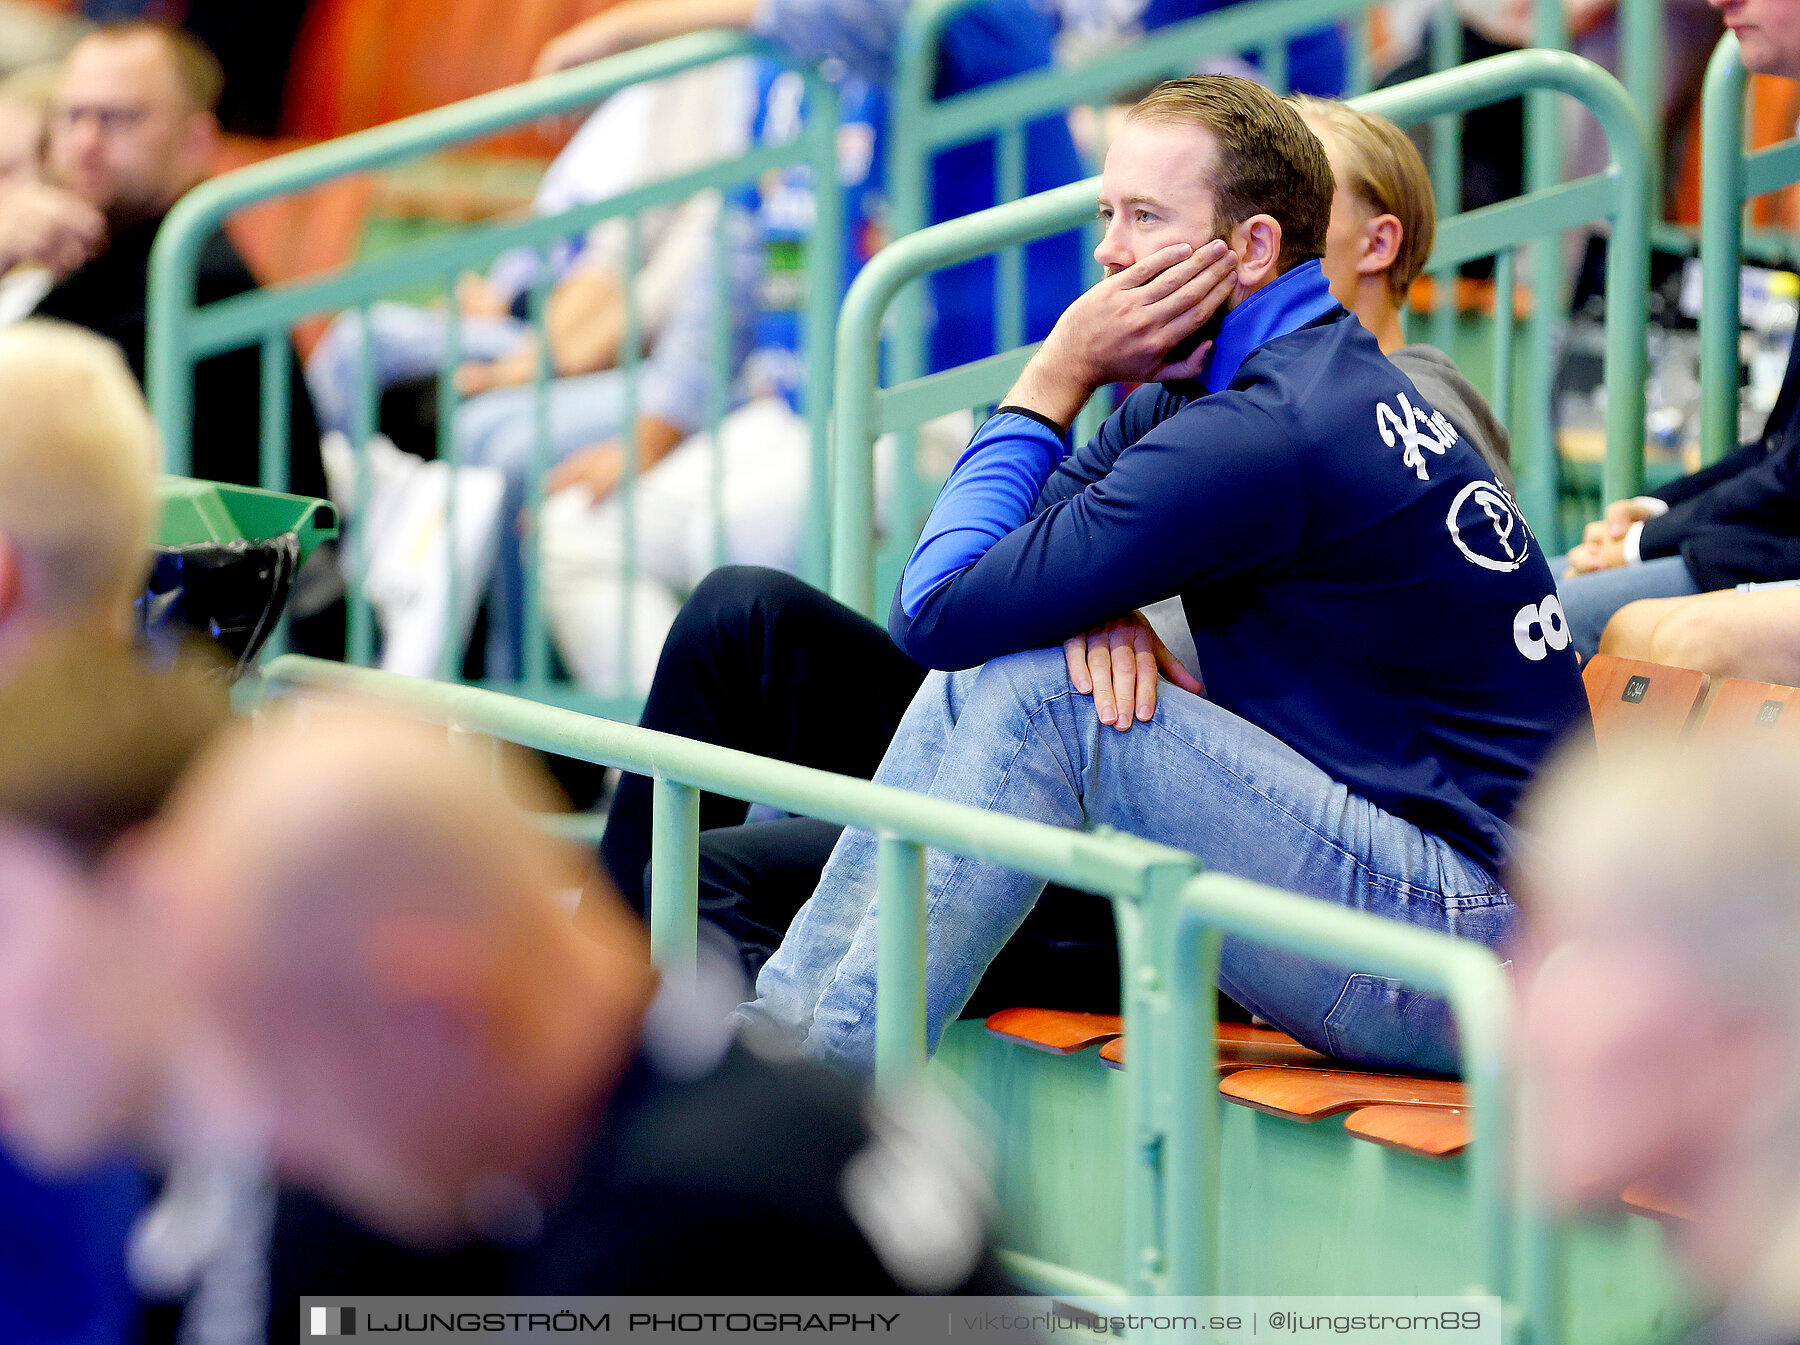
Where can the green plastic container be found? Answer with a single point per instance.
(194, 512)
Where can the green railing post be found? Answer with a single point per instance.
(1722, 196)
(1468, 975)
(1642, 70)
(674, 875)
(1446, 167)
(1537, 466)
(824, 266)
(900, 973)
(1180, 1052)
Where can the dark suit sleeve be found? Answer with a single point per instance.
(1745, 529)
(1685, 488)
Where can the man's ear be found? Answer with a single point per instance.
(1382, 237)
(1257, 242)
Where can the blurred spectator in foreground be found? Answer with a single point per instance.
(1662, 1007)
(76, 505)
(75, 519)
(131, 130)
(88, 1026)
(449, 1052)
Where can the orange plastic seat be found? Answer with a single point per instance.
(1058, 1031)
(1308, 1094)
(1740, 707)
(1635, 701)
(1244, 1046)
(1431, 1132)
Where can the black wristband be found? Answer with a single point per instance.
(1038, 416)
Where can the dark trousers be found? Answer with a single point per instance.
(759, 661)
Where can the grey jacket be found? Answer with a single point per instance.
(1441, 383)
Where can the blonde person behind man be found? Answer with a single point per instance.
(78, 456)
(1383, 220)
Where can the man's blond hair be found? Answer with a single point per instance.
(78, 455)
(1382, 169)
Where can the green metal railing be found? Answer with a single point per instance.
(863, 409)
(181, 333)
(1171, 919)
(1731, 178)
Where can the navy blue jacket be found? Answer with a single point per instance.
(1357, 583)
(1738, 521)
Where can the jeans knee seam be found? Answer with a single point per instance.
(1274, 803)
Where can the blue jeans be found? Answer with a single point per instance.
(1014, 737)
(409, 343)
(1589, 600)
(497, 429)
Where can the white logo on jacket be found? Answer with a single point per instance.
(1416, 428)
(1488, 528)
(1539, 627)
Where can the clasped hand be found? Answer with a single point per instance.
(1117, 665)
(1602, 545)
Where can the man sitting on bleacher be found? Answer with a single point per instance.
(1384, 656)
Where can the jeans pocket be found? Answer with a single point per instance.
(1378, 1021)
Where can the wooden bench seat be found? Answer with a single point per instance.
(1435, 1132)
(1632, 701)
(1739, 708)
(1058, 1031)
(1308, 1094)
(1243, 1046)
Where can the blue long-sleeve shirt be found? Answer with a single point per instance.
(1357, 583)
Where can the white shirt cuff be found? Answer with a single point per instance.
(1655, 508)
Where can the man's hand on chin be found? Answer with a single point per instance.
(1125, 328)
